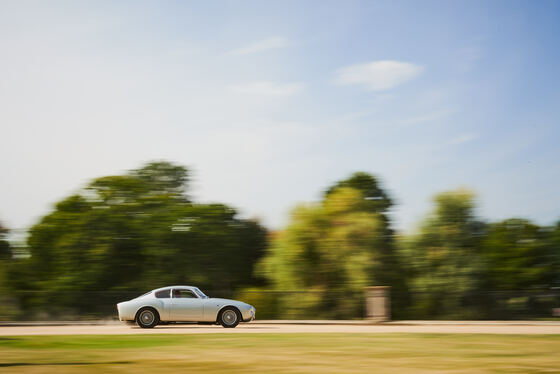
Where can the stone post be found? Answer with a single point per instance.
(378, 304)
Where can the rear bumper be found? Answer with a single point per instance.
(126, 312)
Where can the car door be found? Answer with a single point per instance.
(185, 305)
(164, 297)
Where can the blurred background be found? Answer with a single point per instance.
(288, 154)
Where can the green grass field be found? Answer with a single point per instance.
(281, 353)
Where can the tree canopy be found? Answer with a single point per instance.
(333, 248)
(128, 233)
(519, 255)
(138, 231)
(444, 266)
(461, 267)
(5, 251)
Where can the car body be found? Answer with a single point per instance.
(183, 304)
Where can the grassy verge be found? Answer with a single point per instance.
(281, 353)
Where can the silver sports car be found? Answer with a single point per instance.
(183, 304)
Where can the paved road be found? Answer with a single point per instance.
(350, 327)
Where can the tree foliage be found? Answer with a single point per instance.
(460, 267)
(518, 255)
(141, 230)
(7, 309)
(5, 252)
(443, 257)
(137, 231)
(375, 198)
(334, 249)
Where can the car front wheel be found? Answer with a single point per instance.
(147, 318)
(229, 317)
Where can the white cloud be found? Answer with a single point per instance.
(268, 88)
(463, 138)
(262, 45)
(378, 75)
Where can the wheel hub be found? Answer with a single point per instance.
(229, 317)
(147, 317)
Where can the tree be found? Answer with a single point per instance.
(555, 246)
(5, 252)
(376, 199)
(136, 231)
(518, 256)
(7, 309)
(164, 178)
(389, 270)
(443, 258)
(332, 250)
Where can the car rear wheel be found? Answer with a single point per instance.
(147, 318)
(229, 317)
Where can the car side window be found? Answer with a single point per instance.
(163, 294)
(183, 294)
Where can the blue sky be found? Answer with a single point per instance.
(269, 103)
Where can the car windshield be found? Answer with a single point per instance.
(200, 293)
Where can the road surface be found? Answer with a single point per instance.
(349, 327)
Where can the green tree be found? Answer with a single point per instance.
(376, 199)
(443, 258)
(5, 251)
(6, 302)
(164, 178)
(332, 250)
(555, 246)
(518, 255)
(136, 231)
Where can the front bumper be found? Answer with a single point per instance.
(251, 315)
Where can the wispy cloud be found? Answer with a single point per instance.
(463, 138)
(428, 117)
(265, 88)
(261, 46)
(467, 58)
(378, 75)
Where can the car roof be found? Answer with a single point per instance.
(177, 286)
